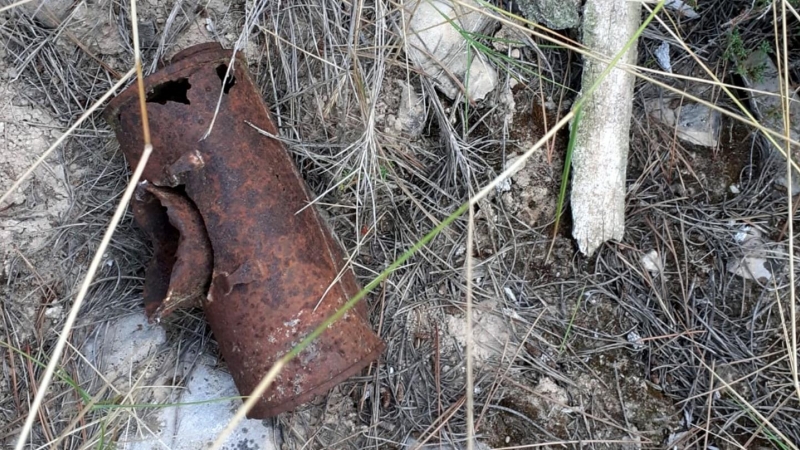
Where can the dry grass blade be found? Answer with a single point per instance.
(14, 5)
(470, 404)
(783, 67)
(440, 422)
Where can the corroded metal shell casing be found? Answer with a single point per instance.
(277, 273)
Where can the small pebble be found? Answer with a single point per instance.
(635, 339)
(662, 56)
(651, 262)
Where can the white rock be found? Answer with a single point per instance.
(652, 263)
(503, 186)
(549, 399)
(699, 124)
(752, 267)
(510, 313)
(684, 9)
(119, 347)
(636, 340)
(754, 262)
(744, 233)
(506, 101)
(54, 312)
(435, 44)
(196, 426)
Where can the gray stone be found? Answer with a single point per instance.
(756, 260)
(695, 123)
(761, 75)
(49, 13)
(411, 115)
(682, 8)
(554, 14)
(434, 41)
(662, 56)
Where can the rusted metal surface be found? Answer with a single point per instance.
(277, 274)
(180, 272)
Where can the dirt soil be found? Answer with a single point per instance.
(29, 216)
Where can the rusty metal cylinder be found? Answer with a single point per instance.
(265, 274)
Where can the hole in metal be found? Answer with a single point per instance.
(170, 91)
(230, 82)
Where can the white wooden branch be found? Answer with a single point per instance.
(600, 157)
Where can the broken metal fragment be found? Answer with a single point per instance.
(180, 272)
(277, 271)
